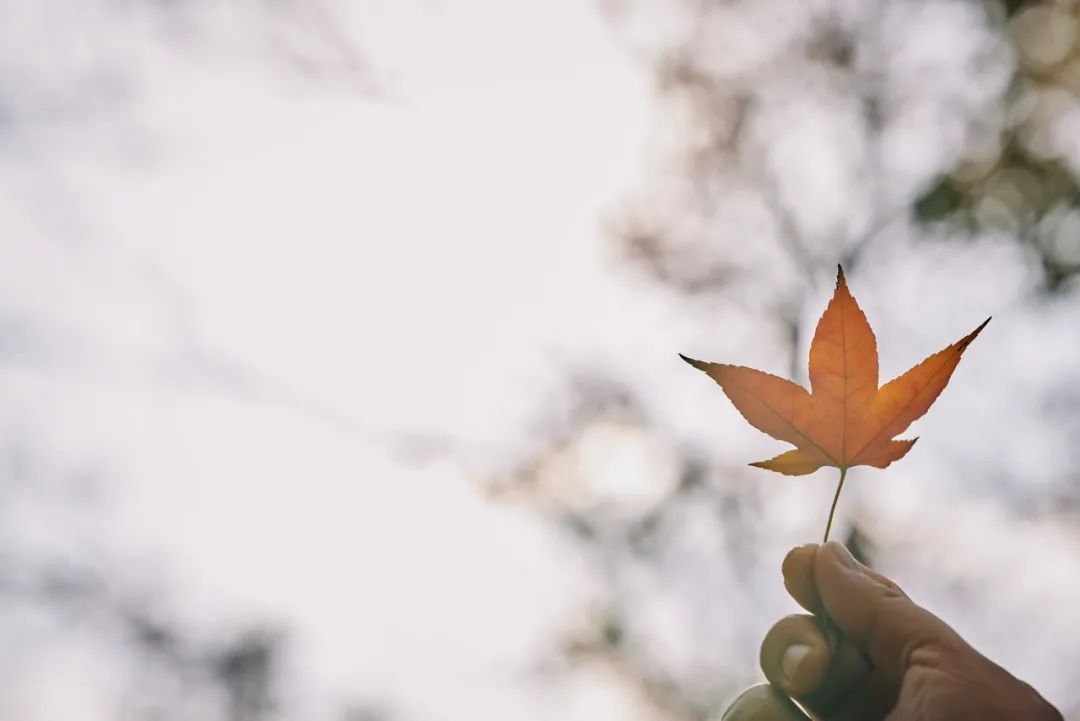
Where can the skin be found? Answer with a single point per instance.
(867, 653)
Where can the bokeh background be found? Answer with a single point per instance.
(338, 373)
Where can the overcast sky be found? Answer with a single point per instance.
(280, 287)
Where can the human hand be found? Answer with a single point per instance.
(870, 654)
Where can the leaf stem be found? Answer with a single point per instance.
(839, 487)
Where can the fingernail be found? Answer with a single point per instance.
(791, 660)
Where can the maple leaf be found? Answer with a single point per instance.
(845, 419)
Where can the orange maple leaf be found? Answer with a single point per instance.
(846, 419)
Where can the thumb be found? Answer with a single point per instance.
(873, 613)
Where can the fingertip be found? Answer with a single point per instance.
(799, 554)
(763, 703)
(798, 571)
(795, 656)
(808, 660)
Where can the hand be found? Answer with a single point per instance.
(869, 654)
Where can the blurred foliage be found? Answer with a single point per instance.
(640, 507)
(861, 545)
(176, 673)
(1014, 177)
(632, 501)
